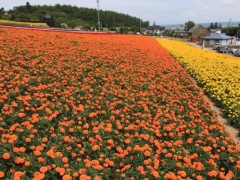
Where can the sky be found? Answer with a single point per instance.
(162, 12)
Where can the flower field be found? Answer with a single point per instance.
(219, 74)
(80, 106)
(23, 24)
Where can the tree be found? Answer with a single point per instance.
(215, 25)
(75, 16)
(123, 29)
(230, 31)
(211, 26)
(23, 17)
(189, 25)
(28, 5)
(1, 12)
(220, 26)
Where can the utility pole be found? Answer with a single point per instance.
(140, 26)
(98, 15)
(229, 25)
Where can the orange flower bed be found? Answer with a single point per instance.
(104, 107)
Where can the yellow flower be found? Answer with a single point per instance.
(218, 74)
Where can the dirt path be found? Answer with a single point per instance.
(234, 132)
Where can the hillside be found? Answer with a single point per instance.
(75, 16)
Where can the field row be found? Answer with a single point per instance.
(104, 107)
(218, 74)
(23, 24)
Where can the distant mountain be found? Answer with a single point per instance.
(224, 24)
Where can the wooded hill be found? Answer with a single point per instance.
(75, 16)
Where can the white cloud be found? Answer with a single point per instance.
(190, 13)
(206, 8)
(228, 1)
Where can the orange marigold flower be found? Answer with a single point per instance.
(140, 168)
(155, 174)
(212, 173)
(6, 156)
(95, 147)
(21, 115)
(66, 177)
(182, 173)
(18, 173)
(2, 174)
(44, 139)
(147, 153)
(92, 114)
(199, 177)
(97, 178)
(65, 160)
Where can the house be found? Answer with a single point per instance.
(49, 20)
(154, 30)
(143, 30)
(197, 32)
(180, 33)
(220, 38)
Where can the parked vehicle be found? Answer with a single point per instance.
(222, 49)
(237, 52)
(232, 50)
(216, 46)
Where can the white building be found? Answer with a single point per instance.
(154, 30)
(217, 38)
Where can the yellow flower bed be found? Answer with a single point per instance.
(25, 24)
(218, 74)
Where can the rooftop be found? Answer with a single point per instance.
(195, 27)
(218, 36)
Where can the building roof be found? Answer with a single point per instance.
(178, 29)
(193, 28)
(218, 36)
(181, 31)
(155, 27)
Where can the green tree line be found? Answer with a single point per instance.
(74, 16)
(230, 31)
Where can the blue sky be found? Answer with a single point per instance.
(161, 12)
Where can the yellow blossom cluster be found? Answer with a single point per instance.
(218, 74)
